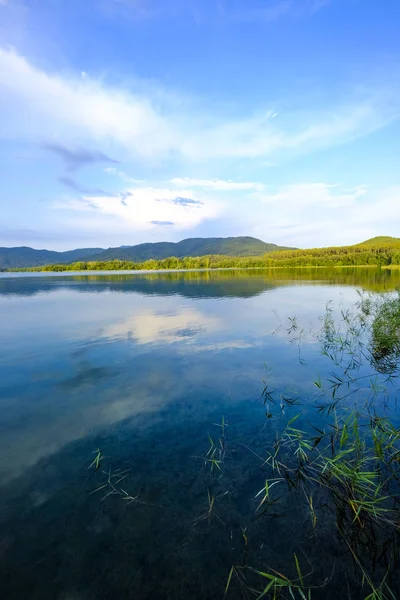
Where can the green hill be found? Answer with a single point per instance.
(23, 256)
(231, 246)
(379, 251)
(382, 241)
(15, 258)
(244, 252)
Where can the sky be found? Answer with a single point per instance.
(129, 121)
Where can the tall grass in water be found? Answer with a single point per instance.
(344, 465)
(352, 461)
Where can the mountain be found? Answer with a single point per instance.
(383, 241)
(232, 246)
(23, 256)
(15, 258)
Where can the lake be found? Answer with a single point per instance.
(140, 375)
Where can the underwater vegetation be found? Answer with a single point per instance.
(338, 456)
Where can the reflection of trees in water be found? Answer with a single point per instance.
(193, 523)
(385, 338)
(236, 283)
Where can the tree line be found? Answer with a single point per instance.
(348, 256)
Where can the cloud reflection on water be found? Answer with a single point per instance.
(74, 363)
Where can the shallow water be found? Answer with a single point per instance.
(142, 367)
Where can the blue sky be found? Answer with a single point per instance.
(123, 121)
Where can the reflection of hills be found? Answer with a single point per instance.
(190, 284)
(201, 284)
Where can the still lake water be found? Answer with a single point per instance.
(142, 367)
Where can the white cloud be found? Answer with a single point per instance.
(318, 214)
(297, 198)
(217, 184)
(49, 105)
(122, 175)
(303, 215)
(268, 136)
(145, 208)
(75, 110)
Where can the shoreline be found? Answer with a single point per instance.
(193, 270)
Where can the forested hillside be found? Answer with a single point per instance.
(382, 252)
(23, 256)
(14, 258)
(191, 247)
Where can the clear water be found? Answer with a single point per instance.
(142, 366)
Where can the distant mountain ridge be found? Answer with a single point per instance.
(231, 246)
(20, 257)
(381, 241)
(23, 256)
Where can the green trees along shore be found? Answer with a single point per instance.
(381, 251)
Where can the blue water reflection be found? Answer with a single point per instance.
(141, 367)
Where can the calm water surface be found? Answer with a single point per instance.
(142, 367)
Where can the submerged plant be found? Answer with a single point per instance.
(110, 486)
(277, 585)
(215, 455)
(353, 461)
(97, 460)
(340, 456)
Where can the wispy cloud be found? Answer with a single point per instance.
(75, 158)
(142, 208)
(134, 125)
(182, 201)
(217, 184)
(70, 183)
(306, 214)
(320, 214)
(75, 108)
(122, 175)
(264, 136)
(187, 201)
(309, 195)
